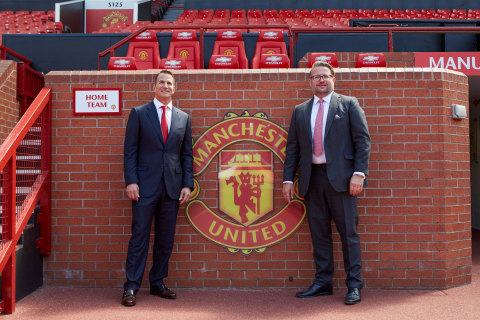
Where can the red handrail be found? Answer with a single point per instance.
(112, 49)
(15, 215)
(164, 5)
(388, 30)
(29, 81)
(3, 55)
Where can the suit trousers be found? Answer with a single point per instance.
(323, 204)
(164, 209)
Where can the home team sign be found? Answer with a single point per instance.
(96, 101)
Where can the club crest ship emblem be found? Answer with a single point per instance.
(244, 219)
(246, 184)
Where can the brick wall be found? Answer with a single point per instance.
(414, 215)
(9, 107)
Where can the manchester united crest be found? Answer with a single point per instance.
(246, 184)
(246, 220)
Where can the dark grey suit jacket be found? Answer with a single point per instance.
(346, 143)
(147, 158)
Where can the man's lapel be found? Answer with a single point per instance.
(332, 111)
(153, 116)
(308, 117)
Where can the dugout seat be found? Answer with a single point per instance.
(173, 63)
(184, 45)
(145, 49)
(223, 62)
(365, 60)
(270, 61)
(122, 63)
(230, 43)
(269, 42)
(328, 57)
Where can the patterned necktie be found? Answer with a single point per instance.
(164, 124)
(317, 131)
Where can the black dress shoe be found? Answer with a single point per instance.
(353, 296)
(163, 292)
(315, 290)
(129, 299)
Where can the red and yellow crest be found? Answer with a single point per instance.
(229, 52)
(246, 184)
(113, 18)
(184, 54)
(245, 222)
(143, 55)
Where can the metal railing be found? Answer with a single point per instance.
(24, 181)
(293, 32)
(29, 81)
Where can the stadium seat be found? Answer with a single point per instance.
(274, 61)
(230, 42)
(223, 62)
(122, 63)
(329, 57)
(269, 42)
(145, 49)
(370, 60)
(184, 45)
(173, 63)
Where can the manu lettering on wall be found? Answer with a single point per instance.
(466, 62)
(245, 221)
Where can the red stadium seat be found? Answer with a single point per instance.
(122, 63)
(223, 62)
(184, 45)
(274, 61)
(173, 63)
(370, 60)
(329, 57)
(269, 42)
(230, 43)
(145, 49)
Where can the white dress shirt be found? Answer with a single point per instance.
(168, 114)
(315, 107)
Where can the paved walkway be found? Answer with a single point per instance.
(104, 304)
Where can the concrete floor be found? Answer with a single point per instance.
(88, 304)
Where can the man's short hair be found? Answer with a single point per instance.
(318, 64)
(165, 72)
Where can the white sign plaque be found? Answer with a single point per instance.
(96, 101)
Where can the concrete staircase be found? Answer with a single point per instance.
(172, 13)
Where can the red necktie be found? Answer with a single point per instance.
(317, 131)
(164, 124)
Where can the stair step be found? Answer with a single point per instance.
(31, 142)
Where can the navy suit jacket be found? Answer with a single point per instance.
(147, 158)
(346, 143)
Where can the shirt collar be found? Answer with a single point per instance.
(326, 99)
(158, 104)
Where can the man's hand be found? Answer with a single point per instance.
(288, 192)
(356, 184)
(184, 195)
(133, 191)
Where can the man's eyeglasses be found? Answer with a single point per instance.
(323, 77)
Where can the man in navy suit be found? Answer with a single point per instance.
(331, 152)
(158, 168)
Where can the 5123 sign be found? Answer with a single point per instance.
(115, 4)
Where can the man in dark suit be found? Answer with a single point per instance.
(158, 168)
(331, 152)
